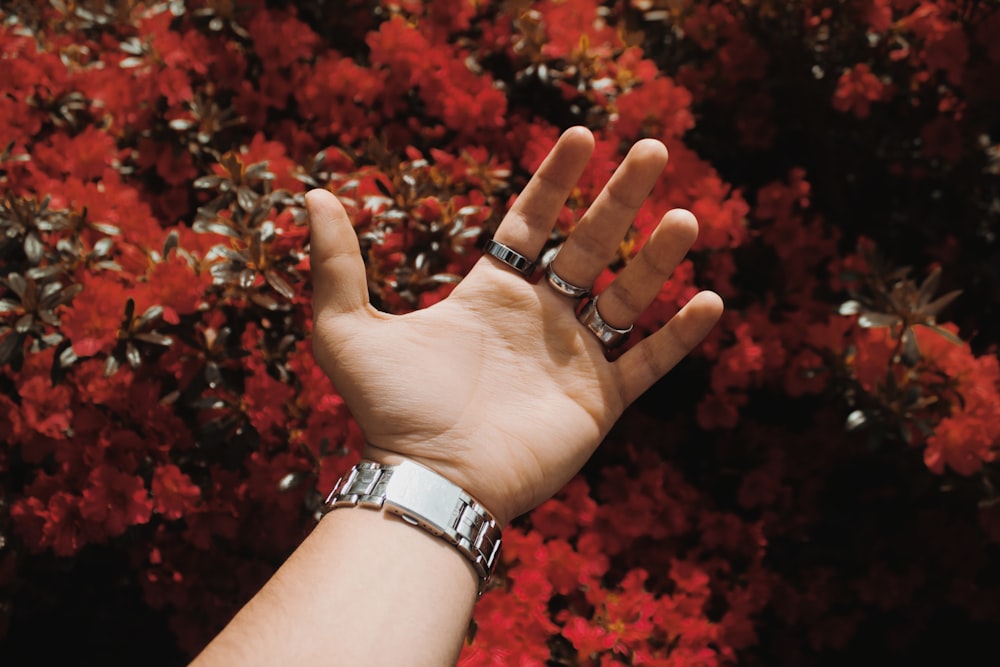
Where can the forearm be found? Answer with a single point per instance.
(363, 588)
(505, 389)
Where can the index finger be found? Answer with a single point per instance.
(527, 225)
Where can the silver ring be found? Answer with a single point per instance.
(561, 285)
(611, 337)
(510, 257)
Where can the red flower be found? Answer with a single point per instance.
(55, 524)
(344, 97)
(971, 435)
(173, 164)
(720, 211)
(280, 39)
(948, 51)
(784, 201)
(174, 284)
(402, 49)
(115, 500)
(174, 494)
(943, 139)
(513, 628)
(589, 639)
(464, 100)
(622, 618)
(739, 365)
(857, 88)
(451, 16)
(569, 570)
(10, 417)
(658, 108)
(29, 516)
(576, 27)
(260, 149)
(805, 374)
(45, 408)
(760, 487)
(648, 512)
(85, 155)
(109, 202)
(878, 14)
(214, 521)
(265, 398)
(565, 514)
(92, 320)
(65, 527)
(715, 411)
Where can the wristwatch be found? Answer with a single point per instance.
(421, 497)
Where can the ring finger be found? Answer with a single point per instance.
(640, 281)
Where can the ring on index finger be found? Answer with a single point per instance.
(510, 257)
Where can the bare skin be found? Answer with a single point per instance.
(498, 388)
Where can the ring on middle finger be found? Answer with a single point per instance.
(562, 285)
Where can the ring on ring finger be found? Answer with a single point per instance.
(611, 337)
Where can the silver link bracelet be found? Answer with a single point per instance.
(421, 497)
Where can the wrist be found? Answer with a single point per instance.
(425, 500)
(479, 488)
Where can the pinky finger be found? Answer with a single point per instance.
(651, 359)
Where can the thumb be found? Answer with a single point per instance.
(340, 283)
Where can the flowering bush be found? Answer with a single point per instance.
(817, 479)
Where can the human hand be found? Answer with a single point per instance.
(498, 387)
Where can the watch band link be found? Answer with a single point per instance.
(423, 498)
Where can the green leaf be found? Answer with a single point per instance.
(106, 228)
(855, 420)
(279, 284)
(939, 304)
(23, 324)
(928, 288)
(133, 356)
(851, 307)
(67, 357)
(911, 353)
(876, 320)
(152, 313)
(155, 338)
(9, 345)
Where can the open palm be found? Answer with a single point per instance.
(499, 388)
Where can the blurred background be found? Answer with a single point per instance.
(816, 485)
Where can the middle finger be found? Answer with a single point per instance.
(596, 238)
